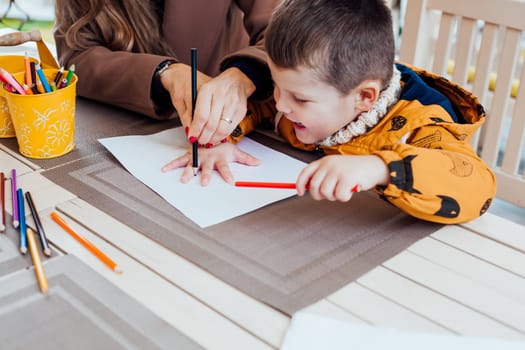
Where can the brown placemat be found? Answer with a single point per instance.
(81, 310)
(288, 254)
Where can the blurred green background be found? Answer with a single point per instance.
(45, 27)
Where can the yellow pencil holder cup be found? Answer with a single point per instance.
(44, 123)
(13, 64)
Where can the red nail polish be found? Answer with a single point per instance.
(192, 139)
(186, 130)
(209, 145)
(224, 140)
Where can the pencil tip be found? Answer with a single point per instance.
(118, 270)
(23, 250)
(2, 228)
(195, 171)
(47, 252)
(16, 223)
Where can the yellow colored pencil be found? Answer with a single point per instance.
(37, 261)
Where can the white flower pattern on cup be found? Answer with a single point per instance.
(4, 107)
(16, 113)
(24, 139)
(42, 118)
(6, 128)
(45, 151)
(59, 133)
(65, 106)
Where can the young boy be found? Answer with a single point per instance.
(390, 127)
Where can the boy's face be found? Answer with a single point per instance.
(316, 109)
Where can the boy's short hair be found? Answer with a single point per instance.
(344, 41)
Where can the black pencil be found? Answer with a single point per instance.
(58, 77)
(38, 224)
(194, 149)
(33, 78)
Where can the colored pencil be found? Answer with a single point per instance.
(58, 77)
(27, 89)
(35, 84)
(42, 78)
(65, 81)
(23, 227)
(2, 199)
(87, 244)
(37, 262)
(27, 62)
(14, 199)
(38, 224)
(12, 81)
(283, 185)
(195, 145)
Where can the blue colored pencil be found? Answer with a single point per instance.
(23, 228)
(43, 79)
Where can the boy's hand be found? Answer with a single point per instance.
(216, 158)
(332, 177)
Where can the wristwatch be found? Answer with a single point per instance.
(159, 95)
(163, 66)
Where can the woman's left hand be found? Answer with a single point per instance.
(221, 105)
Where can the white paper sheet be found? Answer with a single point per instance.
(144, 156)
(312, 332)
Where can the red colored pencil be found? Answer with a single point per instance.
(286, 185)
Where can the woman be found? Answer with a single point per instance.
(135, 53)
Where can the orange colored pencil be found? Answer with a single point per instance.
(37, 261)
(87, 244)
(286, 185)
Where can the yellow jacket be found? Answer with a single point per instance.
(435, 174)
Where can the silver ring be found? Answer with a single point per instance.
(227, 120)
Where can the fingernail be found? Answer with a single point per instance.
(224, 140)
(201, 145)
(192, 139)
(209, 145)
(186, 130)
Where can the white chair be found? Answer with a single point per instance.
(478, 44)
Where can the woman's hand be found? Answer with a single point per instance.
(216, 158)
(221, 101)
(177, 80)
(221, 105)
(332, 177)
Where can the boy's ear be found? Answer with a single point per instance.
(367, 94)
